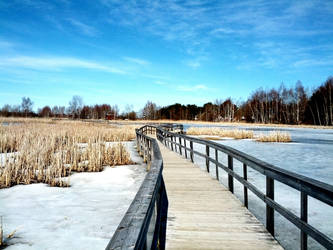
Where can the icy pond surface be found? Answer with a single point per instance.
(310, 154)
(83, 216)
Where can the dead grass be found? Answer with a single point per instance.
(45, 150)
(210, 131)
(235, 124)
(275, 136)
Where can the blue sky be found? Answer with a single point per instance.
(128, 52)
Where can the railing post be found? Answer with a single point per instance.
(230, 178)
(191, 153)
(304, 217)
(145, 150)
(207, 158)
(137, 143)
(216, 166)
(150, 150)
(180, 146)
(185, 148)
(246, 202)
(270, 210)
(171, 141)
(141, 145)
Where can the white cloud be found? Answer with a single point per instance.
(5, 44)
(193, 64)
(160, 83)
(84, 28)
(310, 63)
(56, 63)
(136, 60)
(192, 88)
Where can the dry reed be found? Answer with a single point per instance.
(45, 152)
(214, 131)
(275, 136)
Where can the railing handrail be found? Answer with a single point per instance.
(307, 186)
(268, 169)
(133, 229)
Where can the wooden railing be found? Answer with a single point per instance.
(144, 224)
(307, 186)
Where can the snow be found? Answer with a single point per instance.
(310, 154)
(83, 216)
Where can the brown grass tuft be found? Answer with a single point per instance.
(275, 136)
(45, 152)
(214, 131)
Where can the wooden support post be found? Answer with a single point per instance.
(216, 166)
(141, 146)
(230, 178)
(137, 143)
(180, 146)
(191, 153)
(246, 202)
(207, 158)
(185, 148)
(304, 217)
(144, 149)
(270, 210)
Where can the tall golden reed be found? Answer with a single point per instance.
(233, 133)
(45, 152)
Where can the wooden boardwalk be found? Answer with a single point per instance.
(205, 215)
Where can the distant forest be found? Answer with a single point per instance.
(282, 106)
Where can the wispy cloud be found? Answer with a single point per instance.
(6, 44)
(193, 64)
(56, 63)
(192, 88)
(136, 60)
(160, 83)
(311, 63)
(83, 28)
(198, 24)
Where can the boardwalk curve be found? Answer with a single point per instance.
(205, 215)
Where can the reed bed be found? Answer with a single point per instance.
(45, 152)
(275, 136)
(214, 131)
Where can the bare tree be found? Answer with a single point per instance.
(75, 106)
(26, 105)
(149, 111)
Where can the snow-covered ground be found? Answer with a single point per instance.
(310, 154)
(83, 216)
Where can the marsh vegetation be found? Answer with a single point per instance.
(45, 150)
(273, 136)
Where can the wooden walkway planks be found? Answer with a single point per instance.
(205, 215)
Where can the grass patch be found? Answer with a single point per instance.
(275, 136)
(214, 131)
(45, 151)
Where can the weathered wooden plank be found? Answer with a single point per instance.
(203, 214)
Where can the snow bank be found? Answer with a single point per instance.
(83, 216)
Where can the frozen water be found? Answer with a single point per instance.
(309, 154)
(83, 216)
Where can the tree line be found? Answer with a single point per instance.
(283, 105)
(294, 105)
